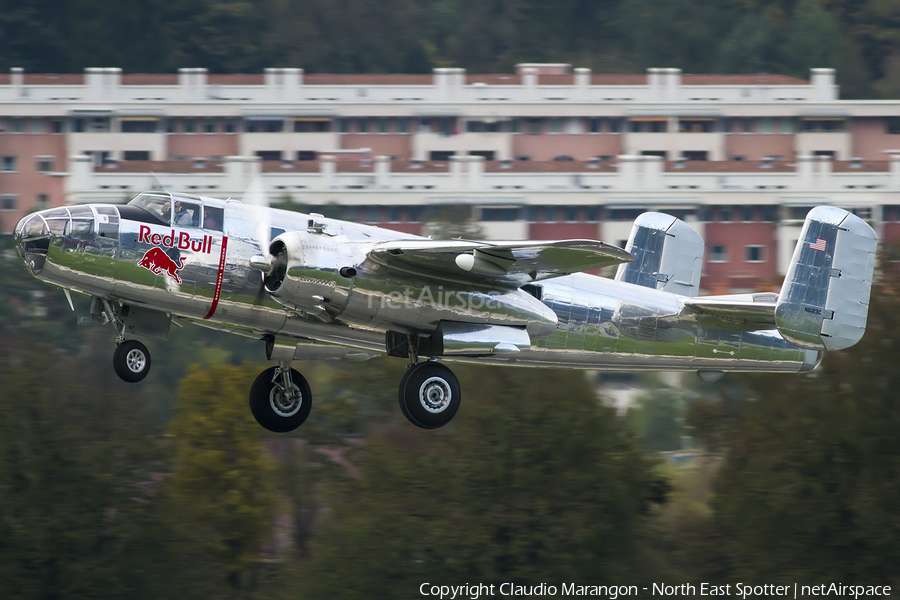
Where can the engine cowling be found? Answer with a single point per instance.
(306, 272)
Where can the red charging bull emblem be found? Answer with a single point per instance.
(158, 261)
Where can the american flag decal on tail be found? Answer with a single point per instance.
(818, 245)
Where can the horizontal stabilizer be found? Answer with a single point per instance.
(749, 311)
(509, 264)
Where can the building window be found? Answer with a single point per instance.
(755, 253)
(41, 201)
(59, 126)
(440, 155)
(892, 125)
(696, 125)
(747, 125)
(362, 125)
(725, 213)
(138, 125)
(695, 155)
(209, 126)
(594, 125)
(8, 202)
(403, 125)
(230, 126)
(718, 253)
(534, 126)
(269, 155)
(44, 164)
(822, 124)
(499, 214)
(188, 125)
(8, 164)
(486, 154)
(306, 155)
(554, 125)
(136, 155)
(382, 125)
(747, 214)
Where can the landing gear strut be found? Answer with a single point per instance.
(280, 398)
(429, 395)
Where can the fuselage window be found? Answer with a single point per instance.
(213, 218)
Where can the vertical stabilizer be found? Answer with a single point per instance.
(668, 255)
(824, 301)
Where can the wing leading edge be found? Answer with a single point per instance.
(508, 264)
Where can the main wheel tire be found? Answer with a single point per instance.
(272, 409)
(401, 396)
(430, 395)
(131, 361)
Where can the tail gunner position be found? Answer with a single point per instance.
(311, 287)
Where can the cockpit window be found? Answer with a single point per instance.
(158, 205)
(187, 214)
(57, 220)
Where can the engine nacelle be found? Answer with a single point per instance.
(306, 274)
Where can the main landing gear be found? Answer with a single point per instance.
(280, 398)
(429, 392)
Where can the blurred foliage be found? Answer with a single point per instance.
(857, 37)
(656, 417)
(222, 478)
(534, 482)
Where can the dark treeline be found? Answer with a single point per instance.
(857, 37)
(169, 488)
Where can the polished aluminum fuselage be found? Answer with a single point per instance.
(580, 320)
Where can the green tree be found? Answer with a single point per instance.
(82, 513)
(812, 466)
(222, 483)
(534, 481)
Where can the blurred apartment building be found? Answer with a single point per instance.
(547, 152)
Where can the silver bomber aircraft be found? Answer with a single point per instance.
(312, 287)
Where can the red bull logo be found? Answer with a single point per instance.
(158, 261)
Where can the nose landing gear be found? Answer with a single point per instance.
(131, 361)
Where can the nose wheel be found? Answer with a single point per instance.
(131, 361)
(429, 395)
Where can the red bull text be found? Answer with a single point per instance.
(181, 240)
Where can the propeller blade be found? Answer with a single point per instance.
(256, 199)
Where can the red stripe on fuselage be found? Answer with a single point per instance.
(219, 276)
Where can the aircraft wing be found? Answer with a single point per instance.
(509, 264)
(744, 311)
